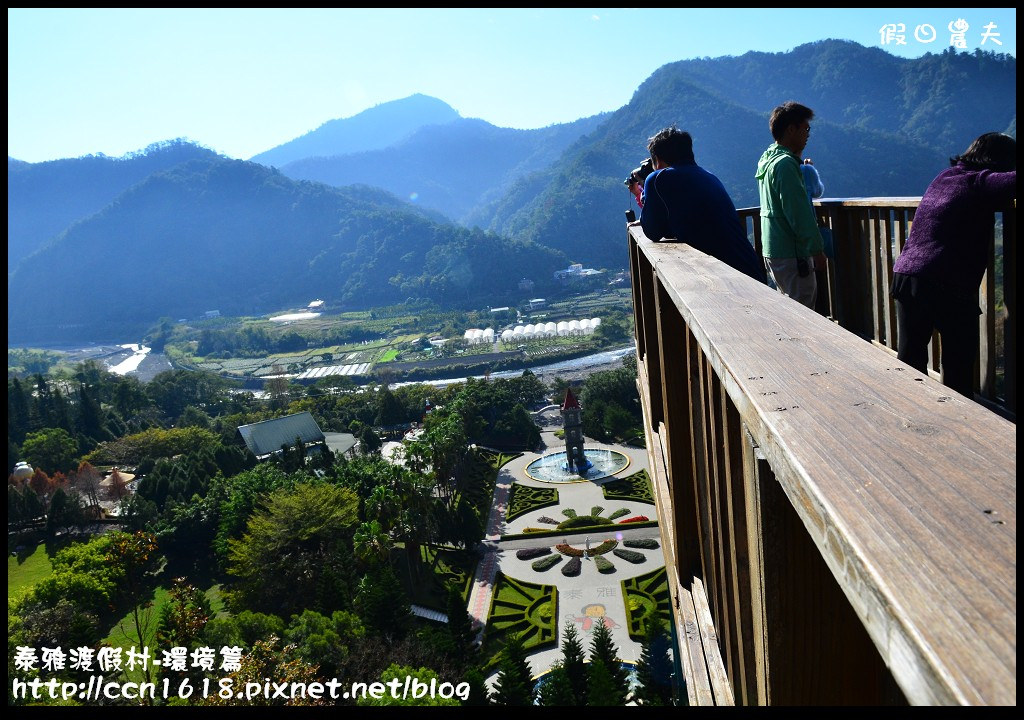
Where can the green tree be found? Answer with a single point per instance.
(556, 689)
(478, 694)
(181, 623)
(382, 605)
(135, 555)
(460, 624)
(654, 669)
(602, 688)
(65, 512)
(51, 449)
(400, 672)
(288, 544)
(573, 662)
(267, 659)
(371, 543)
(323, 640)
(514, 684)
(603, 650)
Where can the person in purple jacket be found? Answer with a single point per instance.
(936, 277)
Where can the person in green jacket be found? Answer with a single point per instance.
(790, 239)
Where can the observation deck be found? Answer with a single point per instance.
(839, 528)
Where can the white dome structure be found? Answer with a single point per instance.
(23, 471)
(550, 329)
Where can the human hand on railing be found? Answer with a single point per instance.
(820, 261)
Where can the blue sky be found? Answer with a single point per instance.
(84, 81)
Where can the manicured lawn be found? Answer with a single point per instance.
(25, 571)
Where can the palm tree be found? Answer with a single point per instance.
(371, 543)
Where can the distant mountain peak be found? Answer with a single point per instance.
(372, 129)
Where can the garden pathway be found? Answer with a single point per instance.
(588, 598)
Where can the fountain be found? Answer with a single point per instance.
(575, 463)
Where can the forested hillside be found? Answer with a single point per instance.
(45, 198)
(244, 239)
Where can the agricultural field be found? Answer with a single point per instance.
(382, 336)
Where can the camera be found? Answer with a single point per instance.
(640, 174)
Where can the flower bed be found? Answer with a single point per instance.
(629, 555)
(572, 568)
(644, 543)
(604, 565)
(546, 520)
(635, 518)
(568, 550)
(531, 553)
(618, 513)
(545, 563)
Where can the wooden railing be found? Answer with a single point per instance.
(839, 529)
(869, 234)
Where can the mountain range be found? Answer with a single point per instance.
(409, 199)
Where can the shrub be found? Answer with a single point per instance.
(533, 529)
(604, 565)
(645, 543)
(569, 512)
(568, 550)
(596, 510)
(572, 568)
(545, 563)
(547, 521)
(635, 518)
(583, 521)
(531, 553)
(618, 513)
(629, 555)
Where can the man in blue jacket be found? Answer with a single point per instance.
(685, 202)
(790, 239)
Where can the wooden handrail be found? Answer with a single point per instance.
(869, 234)
(849, 523)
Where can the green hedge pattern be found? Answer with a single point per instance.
(635, 487)
(526, 608)
(643, 594)
(524, 499)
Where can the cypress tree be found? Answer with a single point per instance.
(478, 694)
(460, 625)
(514, 685)
(604, 650)
(556, 691)
(572, 662)
(602, 688)
(654, 670)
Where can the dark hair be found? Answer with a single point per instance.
(672, 145)
(991, 151)
(786, 114)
